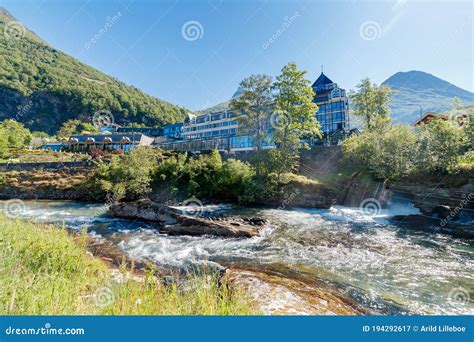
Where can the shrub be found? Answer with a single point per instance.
(440, 145)
(129, 175)
(388, 153)
(207, 176)
(398, 151)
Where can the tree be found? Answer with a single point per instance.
(469, 130)
(440, 144)
(71, 127)
(129, 175)
(39, 139)
(387, 151)
(457, 103)
(254, 106)
(16, 134)
(370, 101)
(294, 117)
(3, 141)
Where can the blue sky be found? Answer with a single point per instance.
(147, 45)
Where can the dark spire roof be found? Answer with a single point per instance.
(322, 80)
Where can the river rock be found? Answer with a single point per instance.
(146, 210)
(188, 225)
(174, 222)
(277, 295)
(431, 224)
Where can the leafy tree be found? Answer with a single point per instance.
(254, 105)
(440, 143)
(16, 134)
(39, 139)
(457, 103)
(129, 175)
(388, 154)
(294, 118)
(469, 130)
(370, 101)
(3, 141)
(71, 127)
(207, 176)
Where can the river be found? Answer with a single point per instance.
(386, 268)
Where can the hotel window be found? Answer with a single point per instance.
(336, 106)
(336, 93)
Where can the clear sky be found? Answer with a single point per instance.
(194, 53)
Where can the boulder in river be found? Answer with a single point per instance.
(277, 295)
(431, 224)
(188, 225)
(174, 222)
(146, 210)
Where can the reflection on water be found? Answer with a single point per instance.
(384, 267)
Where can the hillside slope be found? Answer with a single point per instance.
(221, 106)
(418, 92)
(43, 87)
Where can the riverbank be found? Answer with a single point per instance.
(47, 271)
(325, 179)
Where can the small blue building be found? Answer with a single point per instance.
(53, 146)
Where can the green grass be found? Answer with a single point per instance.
(45, 270)
(15, 155)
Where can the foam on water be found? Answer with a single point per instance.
(344, 246)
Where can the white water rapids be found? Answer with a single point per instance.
(384, 267)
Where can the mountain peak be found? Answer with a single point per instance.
(7, 18)
(42, 79)
(420, 79)
(4, 14)
(418, 91)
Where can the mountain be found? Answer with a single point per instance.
(221, 106)
(43, 87)
(418, 92)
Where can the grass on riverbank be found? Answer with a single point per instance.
(17, 155)
(45, 270)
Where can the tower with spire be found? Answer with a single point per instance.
(333, 107)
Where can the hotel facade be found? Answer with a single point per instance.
(220, 130)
